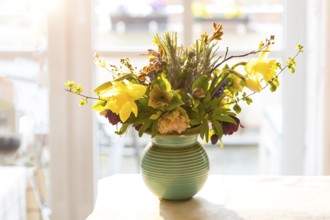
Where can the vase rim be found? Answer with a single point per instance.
(175, 140)
(176, 135)
(189, 132)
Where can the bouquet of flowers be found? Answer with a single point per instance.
(185, 90)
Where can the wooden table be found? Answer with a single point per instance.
(125, 197)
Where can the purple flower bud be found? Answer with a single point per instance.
(222, 88)
(112, 117)
(214, 139)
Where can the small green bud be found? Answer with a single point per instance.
(78, 89)
(71, 84)
(199, 93)
(83, 102)
(273, 87)
(248, 100)
(300, 48)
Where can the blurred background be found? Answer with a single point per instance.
(66, 148)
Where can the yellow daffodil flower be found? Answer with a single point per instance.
(258, 69)
(121, 98)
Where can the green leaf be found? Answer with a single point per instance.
(154, 129)
(248, 100)
(122, 130)
(102, 87)
(226, 67)
(276, 82)
(272, 87)
(204, 130)
(226, 118)
(175, 102)
(155, 116)
(292, 69)
(145, 126)
(143, 102)
(99, 105)
(195, 121)
(217, 128)
(291, 63)
(129, 77)
(237, 108)
(201, 82)
(164, 83)
(215, 102)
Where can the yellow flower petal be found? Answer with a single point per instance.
(123, 105)
(112, 105)
(268, 70)
(253, 84)
(109, 92)
(249, 66)
(263, 55)
(99, 105)
(125, 112)
(103, 87)
(134, 108)
(136, 91)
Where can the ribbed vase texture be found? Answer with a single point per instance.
(174, 167)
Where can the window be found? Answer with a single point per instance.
(24, 66)
(24, 63)
(23, 44)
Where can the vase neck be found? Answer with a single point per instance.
(174, 140)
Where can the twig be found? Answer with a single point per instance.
(82, 95)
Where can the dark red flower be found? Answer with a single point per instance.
(230, 128)
(112, 117)
(214, 138)
(138, 127)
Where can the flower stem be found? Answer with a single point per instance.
(82, 95)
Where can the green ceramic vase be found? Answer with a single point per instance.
(174, 167)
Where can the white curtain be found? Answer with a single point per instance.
(317, 52)
(325, 92)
